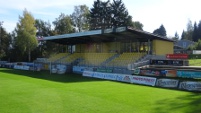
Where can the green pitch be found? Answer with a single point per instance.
(40, 92)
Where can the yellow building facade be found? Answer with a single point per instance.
(161, 47)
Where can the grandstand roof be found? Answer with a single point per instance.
(105, 35)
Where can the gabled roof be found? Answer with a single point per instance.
(105, 35)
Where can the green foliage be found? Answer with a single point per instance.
(196, 46)
(63, 24)
(4, 42)
(194, 56)
(26, 33)
(80, 18)
(100, 15)
(195, 33)
(107, 15)
(45, 48)
(160, 31)
(189, 32)
(120, 14)
(195, 60)
(137, 25)
(33, 92)
(43, 28)
(176, 37)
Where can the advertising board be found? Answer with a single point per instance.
(99, 75)
(123, 78)
(169, 83)
(171, 73)
(21, 67)
(177, 56)
(189, 74)
(143, 80)
(88, 73)
(109, 76)
(78, 69)
(167, 62)
(150, 72)
(190, 86)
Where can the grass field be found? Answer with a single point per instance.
(40, 92)
(195, 62)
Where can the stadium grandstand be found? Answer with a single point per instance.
(117, 49)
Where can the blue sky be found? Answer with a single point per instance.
(173, 14)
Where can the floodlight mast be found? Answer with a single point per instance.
(1, 23)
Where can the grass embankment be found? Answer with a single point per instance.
(195, 62)
(40, 92)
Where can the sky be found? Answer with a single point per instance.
(173, 14)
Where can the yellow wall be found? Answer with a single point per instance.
(162, 47)
(80, 48)
(110, 47)
(159, 47)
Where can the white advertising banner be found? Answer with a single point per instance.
(21, 67)
(110, 76)
(119, 77)
(123, 78)
(78, 69)
(99, 75)
(190, 86)
(88, 73)
(143, 80)
(169, 83)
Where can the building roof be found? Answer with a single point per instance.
(105, 35)
(184, 43)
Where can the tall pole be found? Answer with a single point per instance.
(1, 23)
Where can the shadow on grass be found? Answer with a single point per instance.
(70, 77)
(190, 103)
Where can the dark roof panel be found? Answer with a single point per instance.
(106, 35)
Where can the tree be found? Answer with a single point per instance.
(63, 24)
(198, 31)
(189, 32)
(120, 16)
(100, 15)
(160, 31)
(137, 25)
(183, 35)
(195, 33)
(107, 15)
(80, 18)
(176, 36)
(196, 46)
(26, 33)
(44, 48)
(5, 41)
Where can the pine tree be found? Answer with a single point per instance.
(183, 35)
(198, 31)
(107, 15)
(120, 14)
(195, 33)
(160, 31)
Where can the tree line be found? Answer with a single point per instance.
(22, 43)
